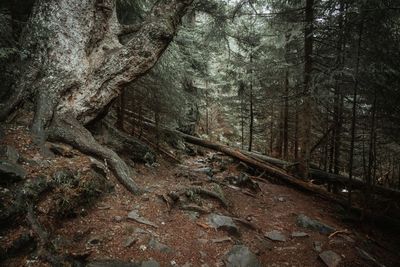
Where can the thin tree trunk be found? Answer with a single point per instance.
(296, 133)
(286, 119)
(306, 114)
(371, 155)
(251, 126)
(354, 113)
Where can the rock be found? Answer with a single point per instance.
(9, 153)
(281, 199)
(330, 258)
(133, 215)
(156, 245)
(306, 222)
(11, 172)
(299, 234)
(130, 241)
(275, 236)
(241, 256)
(317, 246)
(223, 222)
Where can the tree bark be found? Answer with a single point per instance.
(74, 65)
(306, 112)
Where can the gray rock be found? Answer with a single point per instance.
(9, 153)
(241, 256)
(134, 215)
(330, 258)
(275, 236)
(306, 222)
(130, 241)
(11, 172)
(299, 234)
(156, 245)
(223, 222)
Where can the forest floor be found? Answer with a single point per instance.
(181, 233)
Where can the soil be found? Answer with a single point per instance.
(103, 231)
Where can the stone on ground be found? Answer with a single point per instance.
(330, 258)
(241, 256)
(223, 222)
(275, 235)
(306, 222)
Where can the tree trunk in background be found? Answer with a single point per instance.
(286, 118)
(279, 140)
(296, 133)
(307, 105)
(338, 105)
(251, 125)
(354, 114)
(370, 175)
(271, 130)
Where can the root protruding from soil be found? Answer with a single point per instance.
(71, 132)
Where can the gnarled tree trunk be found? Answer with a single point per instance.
(74, 64)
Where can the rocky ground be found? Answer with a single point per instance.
(206, 211)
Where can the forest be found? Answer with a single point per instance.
(238, 133)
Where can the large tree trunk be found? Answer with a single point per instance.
(74, 65)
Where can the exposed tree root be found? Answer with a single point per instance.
(123, 143)
(205, 192)
(45, 246)
(70, 131)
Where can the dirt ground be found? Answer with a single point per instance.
(186, 237)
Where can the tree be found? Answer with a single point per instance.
(74, 65)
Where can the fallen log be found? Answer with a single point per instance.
(278, 168)
(269, 168)
(321, 175)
